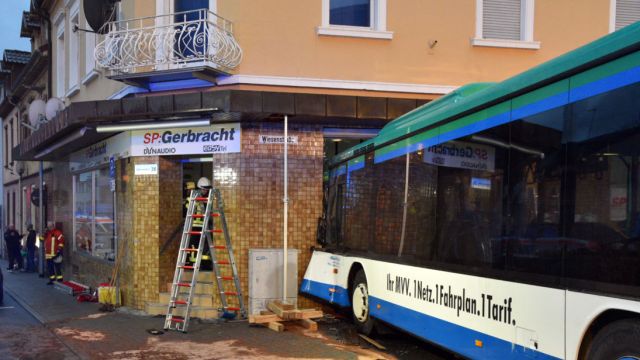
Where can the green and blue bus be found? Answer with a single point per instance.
(501, 220)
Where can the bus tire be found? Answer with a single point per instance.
(360, 304)
(618, 340)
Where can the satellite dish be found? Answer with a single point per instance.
(98, 13)
(37, 111)
(53, 107)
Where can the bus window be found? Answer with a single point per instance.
(359, 204)
(603, 222)
(419, 240)
(535, 177)
(471, 178)
(388, 201)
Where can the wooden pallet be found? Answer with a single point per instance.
(280, 312)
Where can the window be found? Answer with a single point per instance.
(603, 221)
(60, 58)
(89, 60)
(350, 12)
(355, 18)
(11, 137)
(6, 145)
(505, 23)
(74, 55)
(623, 13)
(93, 223)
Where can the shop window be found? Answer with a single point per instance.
(94, 214)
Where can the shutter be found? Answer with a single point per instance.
(501, 19)
(627, 12)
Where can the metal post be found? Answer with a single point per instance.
(285, 200)
(41, 210)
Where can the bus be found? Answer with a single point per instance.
(501, 220)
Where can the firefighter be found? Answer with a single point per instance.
(204, 185)
(53, 245)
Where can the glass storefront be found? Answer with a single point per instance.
(93, 225)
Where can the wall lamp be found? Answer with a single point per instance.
(152, 125)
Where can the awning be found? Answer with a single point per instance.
(74, 126)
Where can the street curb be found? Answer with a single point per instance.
(25, 305)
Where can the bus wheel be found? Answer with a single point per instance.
(360, 304)
(618, 340)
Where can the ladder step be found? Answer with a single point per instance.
(183, 284)
(188, 267)
(229, 293)
(197, 216)
(180, 302)
(226, 277)
(222, 262)
(189, 250)
(194, 232)
(232, 308)
(202, 199)
(179, 319)
(219, 247)
(219, 231)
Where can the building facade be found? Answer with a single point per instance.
(172, 90)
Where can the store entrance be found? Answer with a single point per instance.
(192, 171)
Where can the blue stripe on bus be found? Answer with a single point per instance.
(541, 106)
(609, 83)
(340, 295)
(355, 166)
(603, 85)
(449, 335)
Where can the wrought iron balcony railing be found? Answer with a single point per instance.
(197, 38)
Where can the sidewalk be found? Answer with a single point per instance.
(43, 301)
(92, 334)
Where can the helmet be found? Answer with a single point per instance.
(204, 183)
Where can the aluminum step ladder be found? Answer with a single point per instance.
(206, 233)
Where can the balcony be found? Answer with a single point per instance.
(191, 44)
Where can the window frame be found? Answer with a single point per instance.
(613, 20)
(377, 29)
(73, 86)
(526, 29)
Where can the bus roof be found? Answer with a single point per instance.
(472, 97)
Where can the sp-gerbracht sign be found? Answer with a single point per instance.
(223, 138)
(463, 155)
(278, 139)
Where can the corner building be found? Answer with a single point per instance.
(126, 144)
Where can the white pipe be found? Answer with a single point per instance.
(404, 205)
(152, 125)
(285, 200)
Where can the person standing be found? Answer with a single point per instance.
(31, 249)
(53, 245)
(12, 238)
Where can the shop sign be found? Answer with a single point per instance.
(100, 153)
(278, 139)
(464, 155)
(222, 138)
(146, 169)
